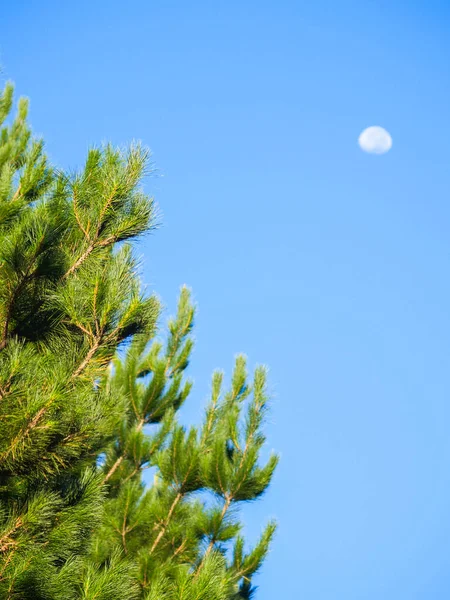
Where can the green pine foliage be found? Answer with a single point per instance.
(89, 398)
(187, 523)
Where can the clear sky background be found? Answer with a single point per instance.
(330, 265)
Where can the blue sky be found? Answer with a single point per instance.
(328, 264)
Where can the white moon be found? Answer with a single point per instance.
(375, 140)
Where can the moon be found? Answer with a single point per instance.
(375, 140)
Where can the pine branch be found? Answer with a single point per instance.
(212, 542)
(166, 522)
(122, 457)
(84, 363)
(25, 432)
(6, 541)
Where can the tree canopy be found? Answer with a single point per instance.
(90, 386)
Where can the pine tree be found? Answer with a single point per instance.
(89, 396)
